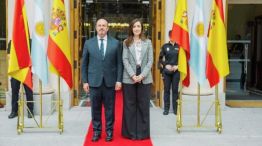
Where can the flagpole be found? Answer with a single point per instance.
(181, 85)
(60, 105)
(179, 108)
(218, 112)
(23, 105)
(59, 98)
(198, 105)
(20, 115)
(41, 103)
(20, 118)
(216, 101)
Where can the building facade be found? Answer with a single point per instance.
(158, 16)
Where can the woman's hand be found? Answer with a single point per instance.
(169, 67)
(175, 68)
(140, 78)
(137, 79)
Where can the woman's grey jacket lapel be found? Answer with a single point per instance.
(132, 50)
(143, 50)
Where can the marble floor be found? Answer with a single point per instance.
(241, 127)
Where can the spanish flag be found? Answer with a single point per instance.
(58, 50)
(180, 36)
(20, 61)
(217, 56)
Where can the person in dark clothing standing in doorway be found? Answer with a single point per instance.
(168, 65)
(15, 85)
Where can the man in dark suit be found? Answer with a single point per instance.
(101, 76)
(15, 85)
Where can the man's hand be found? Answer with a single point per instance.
(86, 87)
(118, 86)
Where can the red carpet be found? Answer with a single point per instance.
(118, 140)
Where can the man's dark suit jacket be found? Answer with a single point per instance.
(95, 67)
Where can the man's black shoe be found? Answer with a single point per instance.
(109, 136)
(12, 115)
(96, 137)
(165, 113)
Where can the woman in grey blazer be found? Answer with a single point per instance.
(137, 80)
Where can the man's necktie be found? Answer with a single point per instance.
(102, 47)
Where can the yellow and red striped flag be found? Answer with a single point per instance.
(180, 35)
(20, 61)
(58, 50)
(217, 56)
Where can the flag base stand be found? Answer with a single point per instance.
(21, 127)
(218, 117)
(39, 126)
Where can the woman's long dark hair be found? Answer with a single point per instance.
(130, 38)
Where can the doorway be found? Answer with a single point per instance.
(118, 13)
(3, 59)
(245, 52)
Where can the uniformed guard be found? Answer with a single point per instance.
(168, 65)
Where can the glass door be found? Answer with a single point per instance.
(118, 13)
